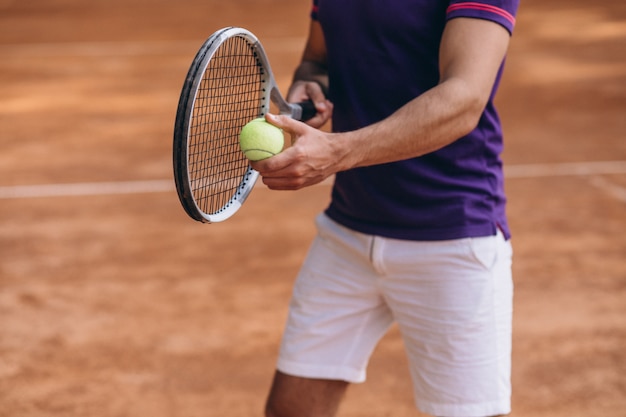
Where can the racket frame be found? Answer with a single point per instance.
(182, 128)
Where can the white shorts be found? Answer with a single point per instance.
(452, 301)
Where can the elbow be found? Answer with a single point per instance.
(471, 108)
(470, 119)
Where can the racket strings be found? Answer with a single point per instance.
(229, 95)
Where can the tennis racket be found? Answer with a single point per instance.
(229, 83)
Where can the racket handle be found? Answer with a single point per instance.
(308, 110)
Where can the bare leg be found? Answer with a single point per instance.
(292, 396)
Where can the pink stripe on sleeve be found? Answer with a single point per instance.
(482, 7)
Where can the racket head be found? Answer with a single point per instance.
(228, 84)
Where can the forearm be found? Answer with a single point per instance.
(427, 123)
(312, 66)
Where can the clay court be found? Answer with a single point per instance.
(113, 303)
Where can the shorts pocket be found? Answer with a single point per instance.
(485, 250)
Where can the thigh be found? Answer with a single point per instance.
(292, 396)
(337, 314)
(453, 303)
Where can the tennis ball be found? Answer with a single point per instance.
(260, 140)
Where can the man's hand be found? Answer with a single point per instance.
(312, 158)
(308, 90)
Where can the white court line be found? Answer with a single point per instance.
(129, 48)
(159, 186)
(96, 49)
(565, 169)
(614, 190)
(86, 189)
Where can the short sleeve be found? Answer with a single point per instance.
(499, 11)
(314, 9)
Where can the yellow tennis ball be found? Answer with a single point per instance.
(260, 140)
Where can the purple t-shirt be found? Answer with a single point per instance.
(381, 55)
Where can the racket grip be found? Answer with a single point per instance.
(308, 110)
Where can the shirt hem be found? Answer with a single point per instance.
(406, 232)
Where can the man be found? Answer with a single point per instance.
(416, 231)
